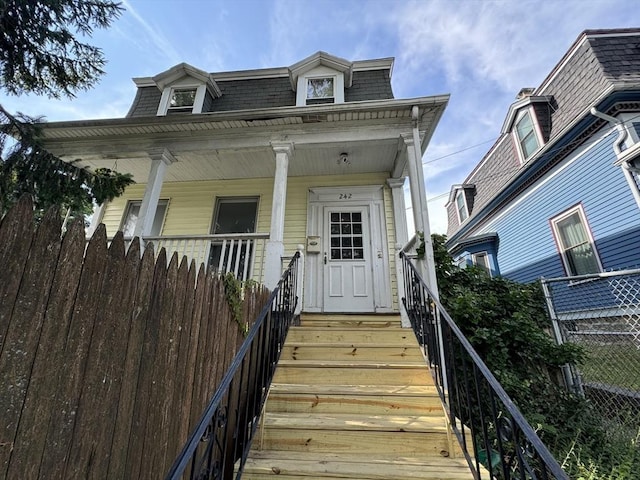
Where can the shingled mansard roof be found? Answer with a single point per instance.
(602, 70)
(266, 88)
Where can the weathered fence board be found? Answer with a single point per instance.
(34, 422)
(23, 333)
(107, 360)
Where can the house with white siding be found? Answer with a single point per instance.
(558, 193)
(241, 169)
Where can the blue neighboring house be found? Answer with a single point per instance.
(558, 194)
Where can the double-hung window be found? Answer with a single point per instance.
(132, 213)
(320, 90)
(527, 136)
(461, 206)
(182, 100)
(575, 244)
(481, 259)
(234, 215)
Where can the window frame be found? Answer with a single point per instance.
(461, 193)
(320, 100)
(231, 199)
(167, 94)
(535, 131)
(562, 251)
(132, 202)
(487, 261)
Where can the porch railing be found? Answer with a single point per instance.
(220, 443)
(239, 253)
(496, 439)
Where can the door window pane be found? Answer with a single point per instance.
(346, 236)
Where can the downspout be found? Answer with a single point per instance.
(627, 169)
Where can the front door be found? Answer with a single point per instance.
(347, 266)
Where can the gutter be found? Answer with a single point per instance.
(627, 169)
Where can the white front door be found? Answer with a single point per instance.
(347, 265)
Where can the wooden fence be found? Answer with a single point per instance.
(107, 359)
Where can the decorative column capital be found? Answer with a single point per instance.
(282, 147)
(396, 182)
(407, 138)
(162, 153)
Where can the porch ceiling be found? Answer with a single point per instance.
(363, 157)
(238, 145)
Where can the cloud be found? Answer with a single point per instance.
(158, 40)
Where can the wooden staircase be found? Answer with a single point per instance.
(352, 398)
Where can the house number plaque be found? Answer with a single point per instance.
(345, 196)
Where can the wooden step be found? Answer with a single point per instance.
(332, 351)
(354, 373)
(352, 336)
(365, 399)
(306, 466)
(350, 321)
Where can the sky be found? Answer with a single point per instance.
(481, 52)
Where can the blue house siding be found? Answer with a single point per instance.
(527, 248)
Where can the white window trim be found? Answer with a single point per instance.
(166, 201)
(320, 72)
(485, 254)
(198, 102)
(466, 207)
(536, 129)
(557, 238)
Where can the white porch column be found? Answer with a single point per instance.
(275, 244)
(98, 212)
(399, 209)
(420, 208)
(402, 237)
(160, 160)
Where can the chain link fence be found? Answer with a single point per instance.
(601, 313)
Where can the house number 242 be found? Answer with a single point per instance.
(345, 196)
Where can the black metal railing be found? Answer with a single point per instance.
(496, 439)
(220, 443)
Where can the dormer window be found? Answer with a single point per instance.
(527, 138)
(320, 78)
(320, 90)
(182, 99)
(184, 89)
(461, 206)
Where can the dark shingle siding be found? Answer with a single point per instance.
(254, 93)
(575, 87)
(495, 173)
(619, 56)
(266, 93)
(543, 116)
(452, 219)
(369, 85)
(146, 102)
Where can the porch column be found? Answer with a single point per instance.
(399, 209)
(160, 160)
(275, 244)
(420, 208)
(402, 236)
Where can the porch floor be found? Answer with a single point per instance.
(353, 398)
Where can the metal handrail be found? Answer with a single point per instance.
(220, 442)
(503, 444)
